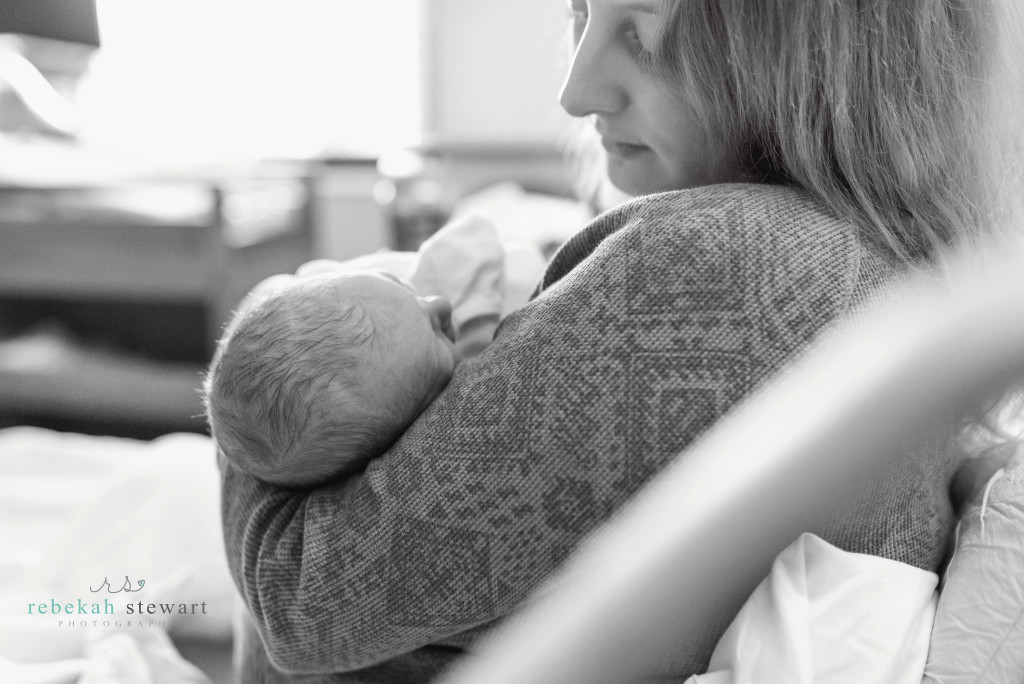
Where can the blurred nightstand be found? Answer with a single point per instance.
(111, 298)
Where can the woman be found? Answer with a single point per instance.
(814, 151)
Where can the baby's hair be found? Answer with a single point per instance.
(280, 382)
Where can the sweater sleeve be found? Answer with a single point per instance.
(651, 324)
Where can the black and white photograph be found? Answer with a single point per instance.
(511, 341)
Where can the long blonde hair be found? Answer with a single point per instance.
(880, 108)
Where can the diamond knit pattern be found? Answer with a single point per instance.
(647, 327)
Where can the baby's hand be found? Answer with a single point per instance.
(475, 334)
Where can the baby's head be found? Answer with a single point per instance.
(324, 374)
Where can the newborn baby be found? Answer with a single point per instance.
(323, 375)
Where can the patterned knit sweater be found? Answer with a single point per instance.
(648, 326)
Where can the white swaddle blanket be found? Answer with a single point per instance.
(825, 616)
(465, 262)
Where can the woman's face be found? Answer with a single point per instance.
(653, 140)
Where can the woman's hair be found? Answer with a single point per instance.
(902, 116)
(880, 108)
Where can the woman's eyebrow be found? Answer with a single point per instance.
(646, 7)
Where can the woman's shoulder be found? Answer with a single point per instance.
(764, 228)
(782, 215)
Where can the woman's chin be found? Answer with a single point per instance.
(635, 178)
(641, 174)
(631, 181)
(635, 181)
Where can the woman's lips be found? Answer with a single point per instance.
(622, 149)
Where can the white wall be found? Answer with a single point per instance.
(492, 70)
(197, 80)
(490, 75)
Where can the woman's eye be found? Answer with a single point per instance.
(635, 44)
(578, 15)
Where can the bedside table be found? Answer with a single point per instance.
(112, 297)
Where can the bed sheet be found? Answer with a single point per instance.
(827, 616)
(95, 531)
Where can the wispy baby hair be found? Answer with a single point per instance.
(280, 379)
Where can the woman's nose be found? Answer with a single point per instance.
(592, 85)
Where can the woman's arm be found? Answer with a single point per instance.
(691, 300)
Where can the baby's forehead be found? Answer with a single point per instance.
(377, 290)
(375, 283)
(404, 283)
(376, 280)
(331, 290)
(363, 307)
(392, 303)
(315, 302)
(386, 299)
